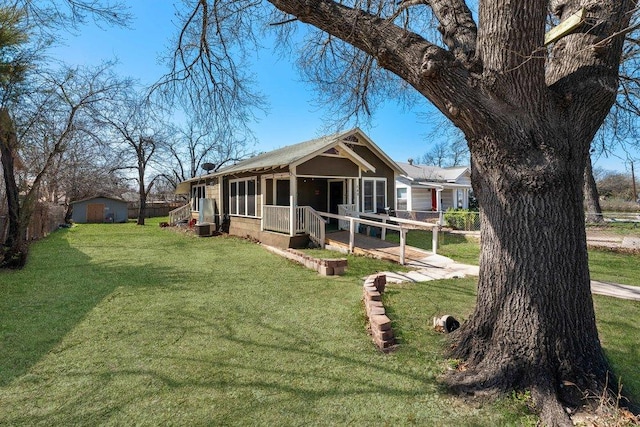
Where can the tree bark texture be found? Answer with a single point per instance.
(14, 249)
(529, 113)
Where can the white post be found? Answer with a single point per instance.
(439, 204)
(263, 185)
(352, 237)
(402, 244)
(434, 239)
(293, 190)
(383, 235)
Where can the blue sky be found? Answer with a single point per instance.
(292, 116)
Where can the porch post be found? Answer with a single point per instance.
(352, 235)
(356, 186)
(263, 188)
(439, 203)
(434, 240)
(293, 200)
(403, 242)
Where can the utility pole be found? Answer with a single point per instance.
(633, 184)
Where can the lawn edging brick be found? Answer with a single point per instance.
(379, 323)
(324, 266)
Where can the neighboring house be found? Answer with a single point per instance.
(281, 191)
(431, 188)
(99, 209)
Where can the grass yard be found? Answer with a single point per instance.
(117, 324)
(604, 265)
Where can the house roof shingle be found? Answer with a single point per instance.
(433, 173)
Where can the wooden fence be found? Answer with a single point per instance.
(153, 209)
(46, 218)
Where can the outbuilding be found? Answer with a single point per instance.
(99, 209)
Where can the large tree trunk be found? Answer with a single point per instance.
(529, 114)
(591, 196)
(534, 325)
(13, 253)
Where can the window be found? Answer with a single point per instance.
(374, 194)
(242, 197)
(197, 193)
(401, 196)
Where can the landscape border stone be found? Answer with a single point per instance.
(379, 323)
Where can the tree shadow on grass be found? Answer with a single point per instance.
(37, 312)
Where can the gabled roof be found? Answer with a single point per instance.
(296, 154)
(433, 173)
(293, 155)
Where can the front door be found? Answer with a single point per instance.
(336, 195)
(95, 212)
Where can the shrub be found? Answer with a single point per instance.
(462, 219)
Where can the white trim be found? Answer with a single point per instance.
(354, 157)
(246, 194)
(194, 199)
(375, 180)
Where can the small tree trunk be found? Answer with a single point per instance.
(14, 249)
(142, 209)
(591, 197)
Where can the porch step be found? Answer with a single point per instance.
(284, 241)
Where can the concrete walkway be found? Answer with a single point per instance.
(427, 266)
(437, 267)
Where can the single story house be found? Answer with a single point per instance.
(99, 209)
(432, 188)
(275, 197)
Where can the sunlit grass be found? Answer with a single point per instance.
(125, 325)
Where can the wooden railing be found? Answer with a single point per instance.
(179, 214)
(315, 226)
(276, 218)
(305, 218)
(346, 210)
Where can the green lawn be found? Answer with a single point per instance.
(604, 265)
(119, 324)
(125, 325)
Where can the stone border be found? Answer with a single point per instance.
(379, 323)
(324, 266)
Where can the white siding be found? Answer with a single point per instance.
(447, 199)
(421, 199)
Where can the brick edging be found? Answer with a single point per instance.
(324, 266)
(379, 324)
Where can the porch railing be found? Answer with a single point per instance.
(179, 214)
(346, 210)
(315, 226)
(278, 219)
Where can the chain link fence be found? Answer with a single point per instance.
(609, 219)
(462, 219)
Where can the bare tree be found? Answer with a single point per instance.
(447, 154)
(138, 133)
(51, 117)
(28, 27)
(193, 146)
(529, 110)
(437, 156)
